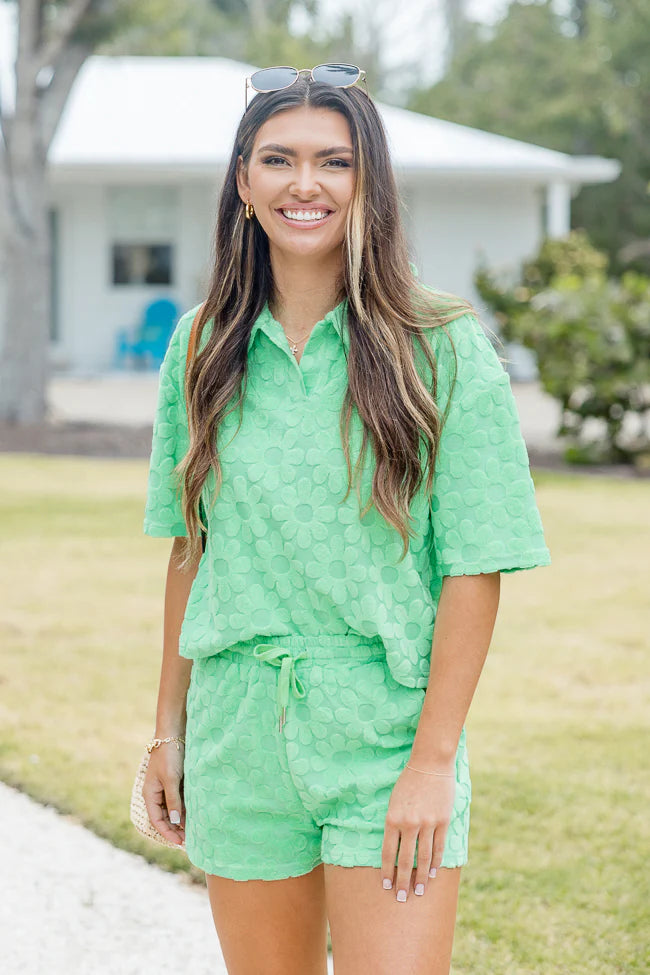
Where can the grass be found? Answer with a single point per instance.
(557, 733)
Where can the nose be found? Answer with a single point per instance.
(305, 181)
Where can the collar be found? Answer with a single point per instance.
(337, 317)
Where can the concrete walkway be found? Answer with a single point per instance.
(73, 904)
(130, 398)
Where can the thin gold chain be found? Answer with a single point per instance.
(293, 344)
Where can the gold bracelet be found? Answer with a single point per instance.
(155, 742)
(450, 774)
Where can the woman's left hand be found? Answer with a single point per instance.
(419, 810)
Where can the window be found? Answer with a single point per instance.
(142, 264)
(143, 227)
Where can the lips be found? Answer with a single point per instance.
(304, 222)
(312, 206)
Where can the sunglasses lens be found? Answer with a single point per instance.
(273, 79)
(338, 75)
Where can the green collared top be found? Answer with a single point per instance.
(284, 554)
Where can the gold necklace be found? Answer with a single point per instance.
(293, 345)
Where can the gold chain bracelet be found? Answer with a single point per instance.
(155, 742)
(450, 774)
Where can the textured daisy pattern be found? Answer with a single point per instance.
(269, 805)
(289, 560)
(285, 554)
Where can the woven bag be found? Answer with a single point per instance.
(138, 811)
(139, 814)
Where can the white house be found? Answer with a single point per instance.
(139, 156)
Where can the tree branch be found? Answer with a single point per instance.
(28, 40)
(54, 97)
(3, 134)
(66, 24)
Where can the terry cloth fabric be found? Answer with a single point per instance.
(285, 554)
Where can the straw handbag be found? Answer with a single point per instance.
(138, 811)
(139, 814)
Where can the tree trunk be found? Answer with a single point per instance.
(26, 261)
(25, 258)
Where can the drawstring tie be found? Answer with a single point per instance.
(288, 679)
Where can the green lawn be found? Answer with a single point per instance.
(557, 734)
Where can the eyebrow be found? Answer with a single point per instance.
(274, 147)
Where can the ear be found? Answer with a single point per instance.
(242, 181)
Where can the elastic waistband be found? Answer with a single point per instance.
(319, 647)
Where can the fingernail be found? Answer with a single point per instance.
(175, 817)
(387, 883)
(401, 895)
(419, 888)
(433, 872)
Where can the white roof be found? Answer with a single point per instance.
(167, 114)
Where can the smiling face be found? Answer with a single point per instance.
(300, 180)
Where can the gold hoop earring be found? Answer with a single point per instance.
(250, 211)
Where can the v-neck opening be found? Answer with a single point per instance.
(335, 318)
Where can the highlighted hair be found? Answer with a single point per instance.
(389, 313)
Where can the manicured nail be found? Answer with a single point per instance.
(387, 883)
(419, 888)
(401, 895)
(175, 817)
(433, 872)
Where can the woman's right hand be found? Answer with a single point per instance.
(162, 791)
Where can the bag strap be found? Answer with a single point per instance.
(190, 352)
(192, 339)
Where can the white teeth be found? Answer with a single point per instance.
(305, 214)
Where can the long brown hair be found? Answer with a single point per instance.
(387, 309)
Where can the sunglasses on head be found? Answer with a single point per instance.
(279, 77)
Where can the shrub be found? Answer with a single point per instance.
(591, 337)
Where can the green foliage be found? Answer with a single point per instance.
(591, 337)
(189, 28)
(535, 78)
(101, 21)
(573, 254)
(176, 28)
(278, 46)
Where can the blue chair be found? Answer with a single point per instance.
(146, 343)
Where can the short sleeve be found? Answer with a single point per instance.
(483, 507)
(163, 514)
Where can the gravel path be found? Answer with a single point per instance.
(73, 904)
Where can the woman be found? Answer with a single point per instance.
(318, 766)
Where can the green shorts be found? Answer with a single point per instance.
(293, 747)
